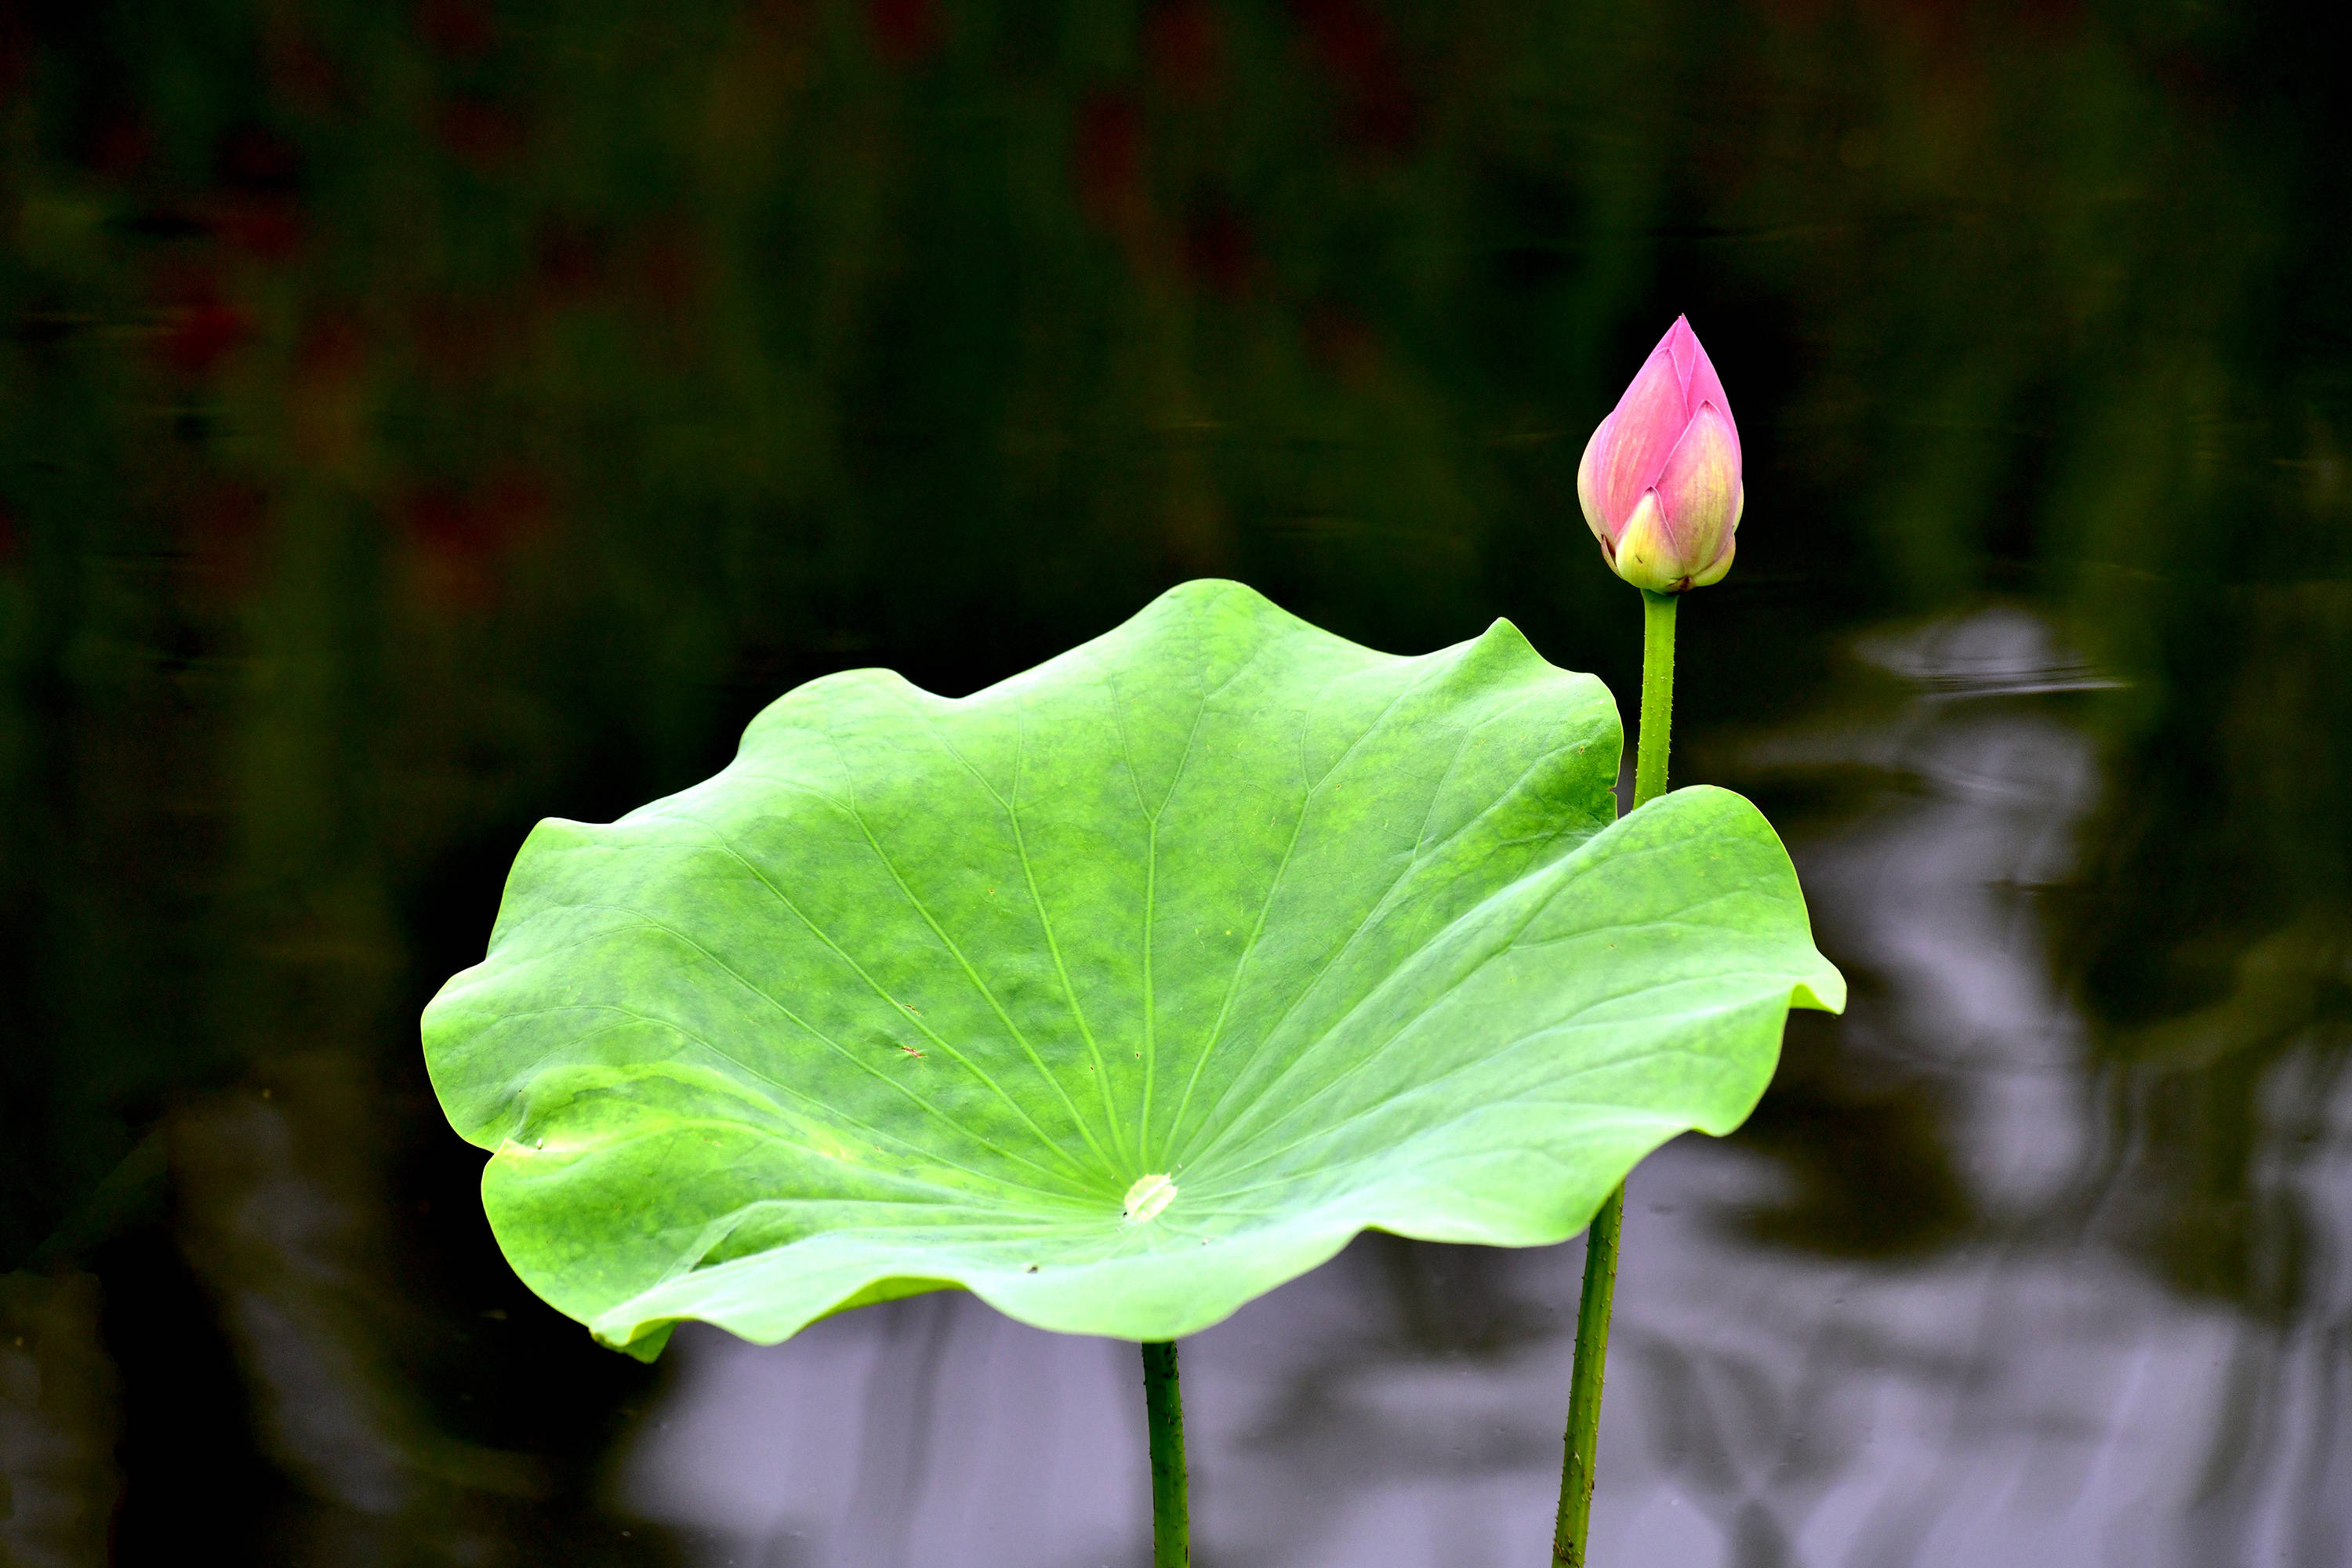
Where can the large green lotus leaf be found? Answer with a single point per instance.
(1118, 993)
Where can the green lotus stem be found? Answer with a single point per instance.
(1583, 1441)
(1657, 695)
(1164, 1413)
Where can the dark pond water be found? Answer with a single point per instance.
(418, 419)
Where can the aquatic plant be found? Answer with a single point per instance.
(1663, 491)
(1116, 994)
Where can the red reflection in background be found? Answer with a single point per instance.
(481, 131)
(461, 533)
(122, 146)
(1106, 157)
(1380, 112)
(1220, 249)
(573, 257)
(199, 326)
(456, 29)
(223, 532)
(257, 208)
(904, 31)
(1184, 43)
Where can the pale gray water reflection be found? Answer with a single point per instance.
(2012, 1387)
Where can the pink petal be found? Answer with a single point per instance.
(1643, 429)
(1588, 481)
(1703, 385)
(1700, 490)
(1682, 346)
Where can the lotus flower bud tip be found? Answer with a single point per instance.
(1660, 482)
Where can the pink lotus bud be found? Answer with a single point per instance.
(1660, 481)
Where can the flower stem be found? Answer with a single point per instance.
(1583, 1442)
(1163, 1414)
(1657, 696)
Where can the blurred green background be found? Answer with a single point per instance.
(417, 419)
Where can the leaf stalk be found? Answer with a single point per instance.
(1164, 1413)
(1571, 1528)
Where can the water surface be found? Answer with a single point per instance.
(417, 420)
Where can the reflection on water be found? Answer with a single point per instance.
(57, 1424)
(418, 419)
